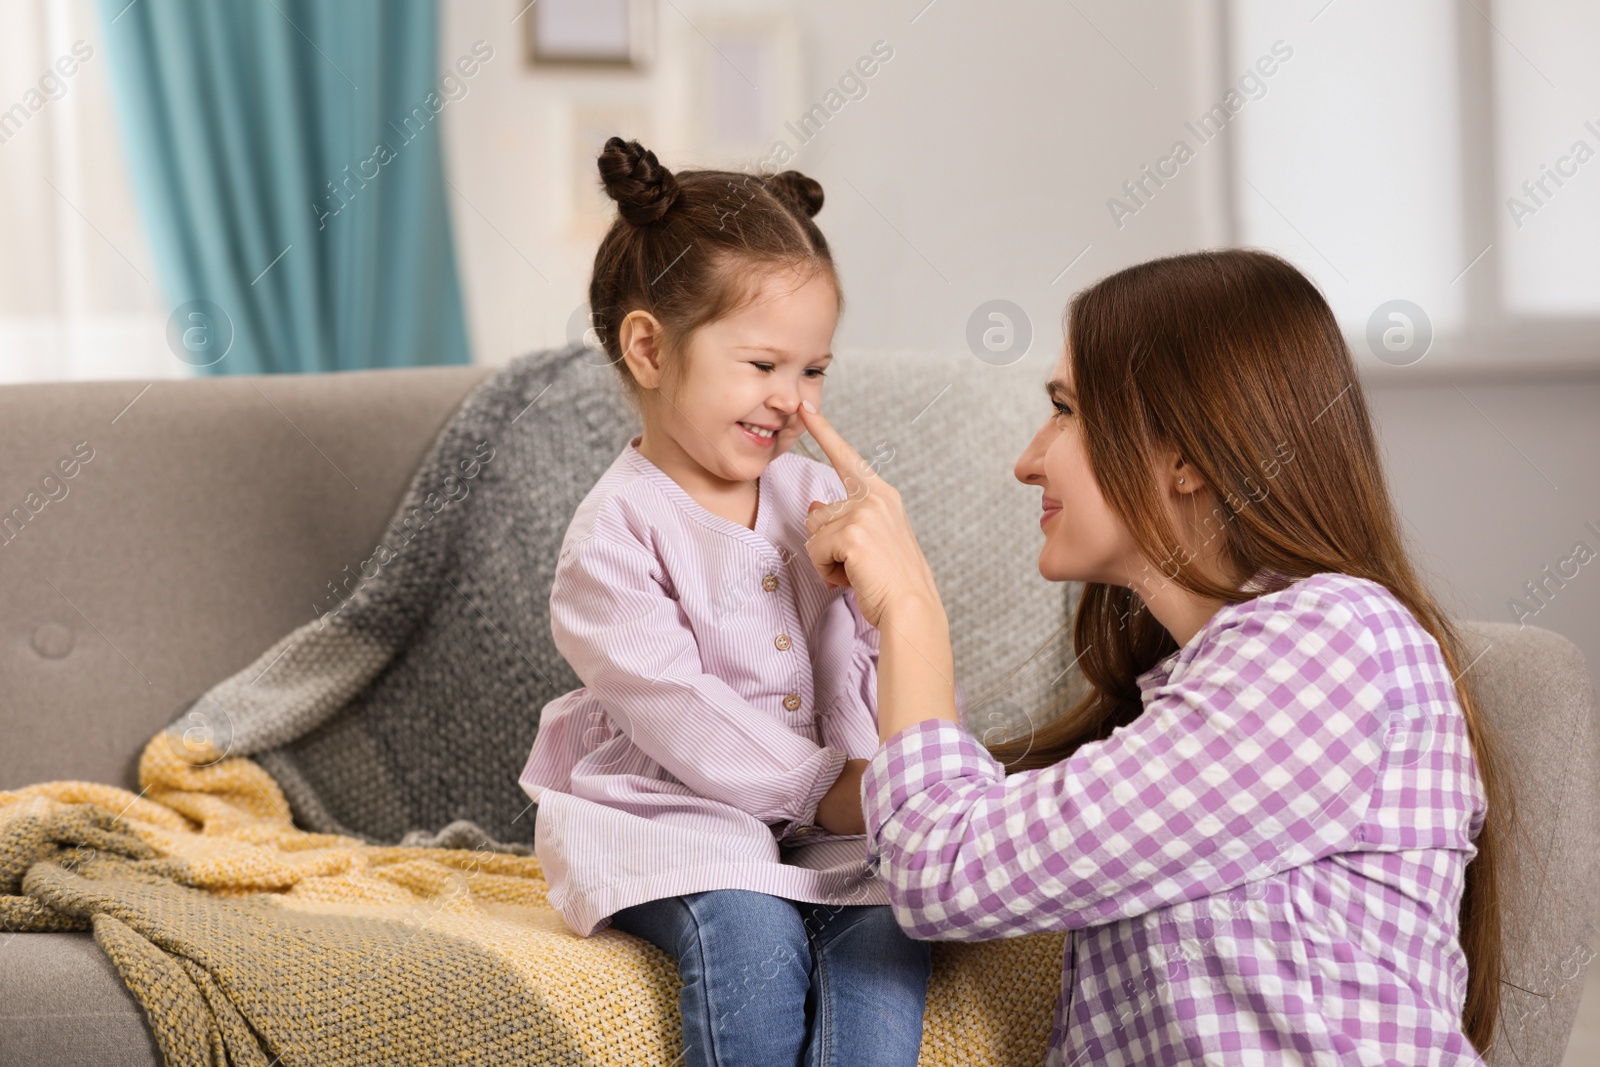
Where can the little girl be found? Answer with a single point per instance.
(703, 789)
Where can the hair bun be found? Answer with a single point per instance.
(641, 186)
(798, 191)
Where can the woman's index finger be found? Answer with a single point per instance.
(845, 460)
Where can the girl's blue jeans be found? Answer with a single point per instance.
(770, 982)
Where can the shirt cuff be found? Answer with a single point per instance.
(803, 824)
(921, 755)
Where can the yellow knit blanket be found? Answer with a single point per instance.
(248, 941)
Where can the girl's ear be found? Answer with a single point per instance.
(640, 338)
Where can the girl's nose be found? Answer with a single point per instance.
(785, 399)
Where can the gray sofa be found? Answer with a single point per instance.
(210, 513)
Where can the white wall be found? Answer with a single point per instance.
(977, 166)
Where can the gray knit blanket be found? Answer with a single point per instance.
(405, 715)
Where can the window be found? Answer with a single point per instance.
(79, 297)
(1432, 152)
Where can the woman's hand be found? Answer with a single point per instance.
(839, 810)
(865, 541)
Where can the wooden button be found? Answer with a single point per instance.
(792, 701)
(770, 582)
(782, 642)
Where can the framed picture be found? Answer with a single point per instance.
(745, 83)
(746, 77)
(590, 33)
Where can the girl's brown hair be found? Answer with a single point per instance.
(1234, 359)
(692, 246)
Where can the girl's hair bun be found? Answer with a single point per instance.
(641, 186)
(798, 191)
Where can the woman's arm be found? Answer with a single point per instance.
(853, 719)
(909, 687)
(866, 542)
(916, 667)
(903, 691)
(1260, 755)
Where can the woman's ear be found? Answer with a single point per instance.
(1178, 476)
(641, 340)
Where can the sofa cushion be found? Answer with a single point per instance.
(62, 1004)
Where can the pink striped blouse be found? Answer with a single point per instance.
(725, 684)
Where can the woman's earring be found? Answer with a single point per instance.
(1180, 481)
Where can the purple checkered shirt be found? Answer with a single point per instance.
(1266, 866)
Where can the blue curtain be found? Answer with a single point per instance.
(286, 156)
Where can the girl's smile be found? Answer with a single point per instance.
(764, 439)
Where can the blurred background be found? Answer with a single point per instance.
(289, 186)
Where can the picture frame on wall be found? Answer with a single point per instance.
(746, 82)
(614, 34)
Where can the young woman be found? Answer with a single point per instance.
(1272, 824)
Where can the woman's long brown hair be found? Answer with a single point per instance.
(1234, 359)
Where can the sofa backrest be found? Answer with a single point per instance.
(1536, 693)
(157, 537)
(202, 528)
